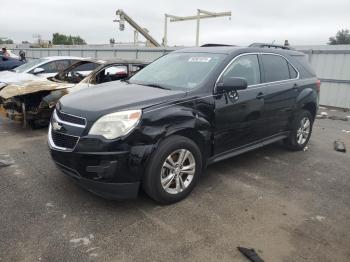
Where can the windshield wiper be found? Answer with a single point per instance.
(156, 86)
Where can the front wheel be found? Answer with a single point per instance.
(300, 131)
(173, 170)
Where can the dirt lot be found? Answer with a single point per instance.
(288, 206)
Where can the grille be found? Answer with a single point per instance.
(70, 119)
(65, 141)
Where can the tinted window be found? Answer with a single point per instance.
(246, 67)
(275, 68)
(292, 72)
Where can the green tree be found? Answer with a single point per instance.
(341, 38)
(61, 39)
(6, 41)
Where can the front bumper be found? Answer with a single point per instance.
(112, 170)
(106, 190)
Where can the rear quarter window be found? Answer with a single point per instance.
(275, 68)
(307, 69)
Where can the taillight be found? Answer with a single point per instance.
(318, 85)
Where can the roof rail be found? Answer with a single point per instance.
(211, 45)
(261, 45)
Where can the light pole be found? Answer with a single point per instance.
(201, 14)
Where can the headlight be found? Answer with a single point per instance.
(117, 124)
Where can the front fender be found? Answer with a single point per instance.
(177, 119)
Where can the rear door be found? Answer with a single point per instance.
(279, 90)
(238, 116)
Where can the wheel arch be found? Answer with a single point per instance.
(200, 139)
(307, 100)
(311, 107)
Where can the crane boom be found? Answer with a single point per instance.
(124, 16)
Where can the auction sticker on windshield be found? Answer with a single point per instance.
(199, 59)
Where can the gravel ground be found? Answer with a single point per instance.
(288, 206)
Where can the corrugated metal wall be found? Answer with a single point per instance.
(142, 53)
(331, 63)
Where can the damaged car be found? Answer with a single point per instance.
(32, 101)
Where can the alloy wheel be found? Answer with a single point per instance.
(178, 171)
(303, 131)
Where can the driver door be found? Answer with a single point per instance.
(238, 115)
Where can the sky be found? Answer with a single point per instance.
(302, 22)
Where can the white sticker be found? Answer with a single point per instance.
(199, 59)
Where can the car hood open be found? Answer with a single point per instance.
(115, 96)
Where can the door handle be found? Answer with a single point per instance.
(260, 95)
(295, 86)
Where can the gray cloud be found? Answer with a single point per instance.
(302, 22)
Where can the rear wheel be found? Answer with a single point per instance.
(173, 170)
(301, 131)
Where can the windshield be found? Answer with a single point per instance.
(27, 66)
(178, 71)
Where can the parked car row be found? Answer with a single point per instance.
(29, 92)
(9, 62)
(161, 125)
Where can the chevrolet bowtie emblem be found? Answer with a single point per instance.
(56, 126)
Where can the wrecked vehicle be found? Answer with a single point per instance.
(33, 101)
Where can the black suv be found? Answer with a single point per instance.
(186, 110)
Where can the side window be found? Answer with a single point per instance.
(112, 73)
(62, 64)
(247, 67)
(292, 72)
(275, 68)
(49, 67)
(55, 66)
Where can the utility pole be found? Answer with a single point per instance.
(201, 14)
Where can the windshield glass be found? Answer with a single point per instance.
(25, 67)
(178, 71)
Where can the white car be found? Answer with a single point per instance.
(12, 54)
(43, 67)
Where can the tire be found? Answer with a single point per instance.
(299, 135)
(38, 123)
(159, 173)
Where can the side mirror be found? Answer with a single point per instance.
(229, 84)
(38, 70)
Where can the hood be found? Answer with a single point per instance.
(114, 96)
(10, 77)
(31, 86)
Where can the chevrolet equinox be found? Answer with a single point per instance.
(186, 110)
